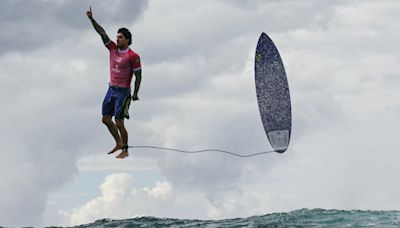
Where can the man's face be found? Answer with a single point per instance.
(122, 42)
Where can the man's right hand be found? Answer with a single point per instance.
(135, 97)
(89, 13)
(97, 27)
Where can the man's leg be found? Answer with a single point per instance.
(114, 132)
(124, 137)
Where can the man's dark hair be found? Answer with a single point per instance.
(126, 34)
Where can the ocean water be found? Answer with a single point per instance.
(297, 218)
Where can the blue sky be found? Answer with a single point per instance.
(198, 92)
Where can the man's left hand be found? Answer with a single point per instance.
(135, 97)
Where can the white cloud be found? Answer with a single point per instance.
(162, 190)
(121, 199)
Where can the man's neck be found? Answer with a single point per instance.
(123, 48)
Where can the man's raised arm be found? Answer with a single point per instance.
(97, 27)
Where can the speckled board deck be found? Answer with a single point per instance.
(273, 94)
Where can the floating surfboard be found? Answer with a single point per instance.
(273, 94)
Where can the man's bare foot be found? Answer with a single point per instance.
(116, 148)
(123, 154)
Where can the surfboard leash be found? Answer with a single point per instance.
(202, 151)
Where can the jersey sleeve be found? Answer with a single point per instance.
(110, 45)
(136, 66)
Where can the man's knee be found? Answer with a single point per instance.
(107, 120)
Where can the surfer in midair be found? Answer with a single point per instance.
(124, 62)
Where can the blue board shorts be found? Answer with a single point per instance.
(115, 100)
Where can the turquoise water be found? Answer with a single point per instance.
(298, 218)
